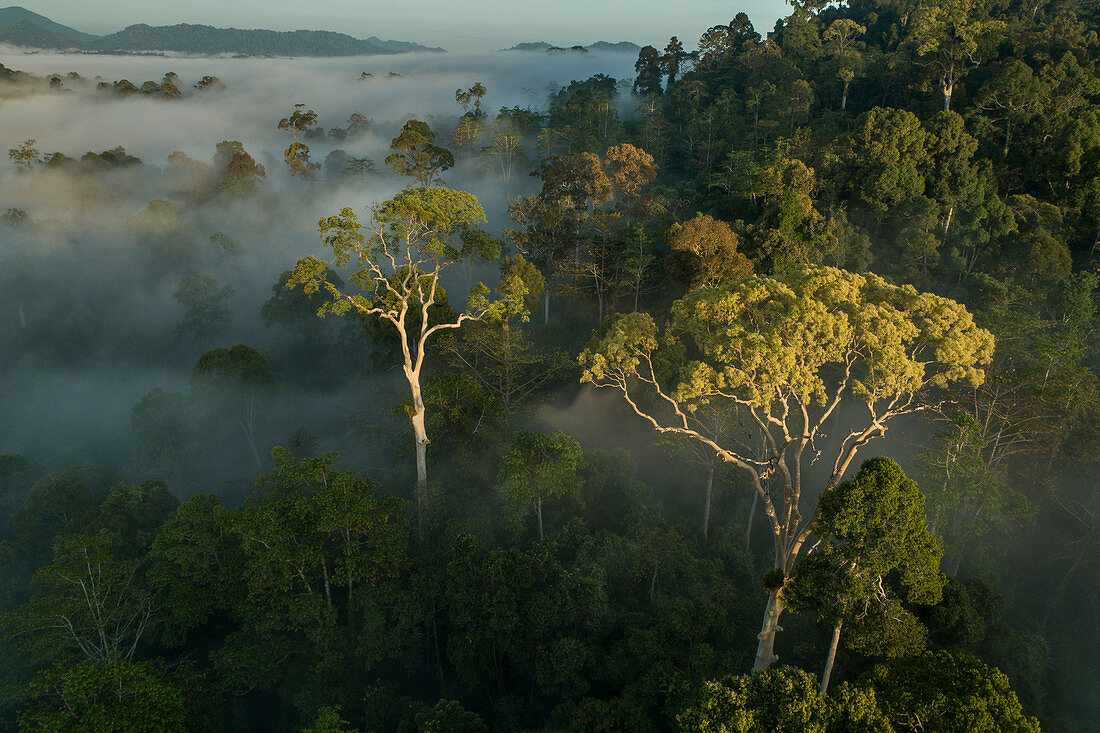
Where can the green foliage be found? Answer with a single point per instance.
(26, 156)
(116, 695)
(424, 226)
(328, 721)
(943, 692)
(17, 475)
(297, 162)
(90, 606)
(58, 503)
(229, 370)
(584, 115)
(193, 566)
(299, 122)
(881, 162)
(946, 154)
(448, 716)
(417, 156)
(236, 170)
(648, 70)
(782, 699)
(540, 468)
(761, 337)
(314, 550)
(159, 220)
(714, 246)
(873, 537)
(207, 316)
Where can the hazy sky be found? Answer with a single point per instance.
(452, 24)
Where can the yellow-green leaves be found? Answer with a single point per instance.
(616, 355)
(821, 333)
(343, 234)
(432, 217)
(715, 246)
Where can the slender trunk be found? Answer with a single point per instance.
(947, 89)
(947, 224)
(506, 339)
(706, 507)
(545, 305)
(844, 98)
(653, 585)
(765, 648)
(830, 658)
(247, 430)
(538, 513)
(22, 318)
(328, 587)
(416, 416)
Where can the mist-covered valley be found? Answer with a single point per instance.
(742, 384)
(79, 364)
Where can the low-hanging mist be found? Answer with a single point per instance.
(75, 407)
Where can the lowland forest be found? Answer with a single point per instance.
(746, 384)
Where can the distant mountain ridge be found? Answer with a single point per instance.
(26, 33)
(620, 47)
(19, 16)
(205, 39)
(21, 27)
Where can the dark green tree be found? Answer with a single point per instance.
(417, 156)
(870, 528)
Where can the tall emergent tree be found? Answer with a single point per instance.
(416, 155)
(947, 38)
(26, 156)
(299, 124)
(397, 263)
(788, 355)
(648, 68)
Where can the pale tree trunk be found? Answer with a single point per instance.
(706, 507)
(247, 423)
(830, 658)
(844, 98)
(948, 88)
(506, 341)
(538, 513)
(416, 416)
(765, 648)
(545, 305)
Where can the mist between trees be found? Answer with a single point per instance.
(746, 388)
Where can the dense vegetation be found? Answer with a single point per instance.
(872, 232)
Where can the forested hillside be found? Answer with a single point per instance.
(756, 392)
(23, 28)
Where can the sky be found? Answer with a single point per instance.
(457, 25)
